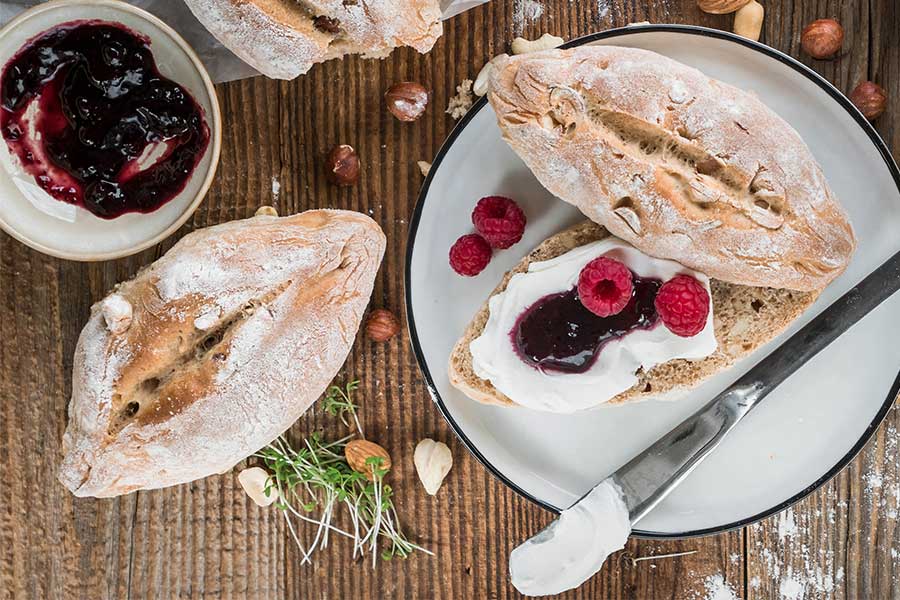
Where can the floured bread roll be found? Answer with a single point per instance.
(679, 165)
(284, 38)
(215, 349)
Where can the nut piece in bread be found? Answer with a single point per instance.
(284, 38)
(233, 334)
(745, 318)
(681, 166)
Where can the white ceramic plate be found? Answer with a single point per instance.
(802, 434)
(52, 227)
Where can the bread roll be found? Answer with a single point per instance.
(284, 38)
(677, 164)
(215, 349)
(745, 318)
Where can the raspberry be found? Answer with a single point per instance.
(470, 255)
(683, 305)
(605, 286)
(499, 220)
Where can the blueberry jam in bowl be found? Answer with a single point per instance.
(110, 129)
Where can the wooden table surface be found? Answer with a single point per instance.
(207, 540)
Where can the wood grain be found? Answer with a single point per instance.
(207, 540)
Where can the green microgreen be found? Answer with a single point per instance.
(338, 402)
(315, 481)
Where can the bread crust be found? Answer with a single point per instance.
(231, 336)
(681, 166)
(745, 318)
(279, 39)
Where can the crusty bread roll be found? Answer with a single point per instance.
(215, 349)
(745, 318)
(284, 38)
(681, 166)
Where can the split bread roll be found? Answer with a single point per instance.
(745, 318)
(215, 349)
(679, 165)
(284, 38)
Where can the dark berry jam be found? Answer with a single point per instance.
(109, 133)
(557, 333)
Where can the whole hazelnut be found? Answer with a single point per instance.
(822, 38)
(870, 98)
(342, 165)
(382, 325)
(407, 100)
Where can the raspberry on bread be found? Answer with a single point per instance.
(745, 319)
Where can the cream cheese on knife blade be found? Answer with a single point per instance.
(575, 546)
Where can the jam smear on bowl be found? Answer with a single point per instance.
(89, 116)
(557, 333)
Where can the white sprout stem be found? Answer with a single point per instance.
(287, 520)
(303, 517)
(358, 426)
(354, 516)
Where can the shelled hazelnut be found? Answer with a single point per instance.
(342, 165)
(407, 100)
(822, 38)
(870, 98)
(382, 325)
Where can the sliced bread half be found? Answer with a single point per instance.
(745, 318)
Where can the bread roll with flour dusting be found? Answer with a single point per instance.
(679, 165)
(215, 349)
(284, 38)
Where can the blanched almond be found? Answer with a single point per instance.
(433, 461)
(253, 480)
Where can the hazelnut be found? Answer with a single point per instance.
(407, 100)
(382, 325)
(870, 98)
(266, 211)
(342, 165)
(822, 38)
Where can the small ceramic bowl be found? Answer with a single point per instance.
(66, 231)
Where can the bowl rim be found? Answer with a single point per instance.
(696, 30)
(214, 120)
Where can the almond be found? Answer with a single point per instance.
(358, 452)
(433, 461)
(721, 7)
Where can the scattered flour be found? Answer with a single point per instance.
(276, 188)
(602, 8)
(787, 527)
(524, 12)
(718, 589)
(791, 589)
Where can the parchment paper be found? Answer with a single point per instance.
(220, 62)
